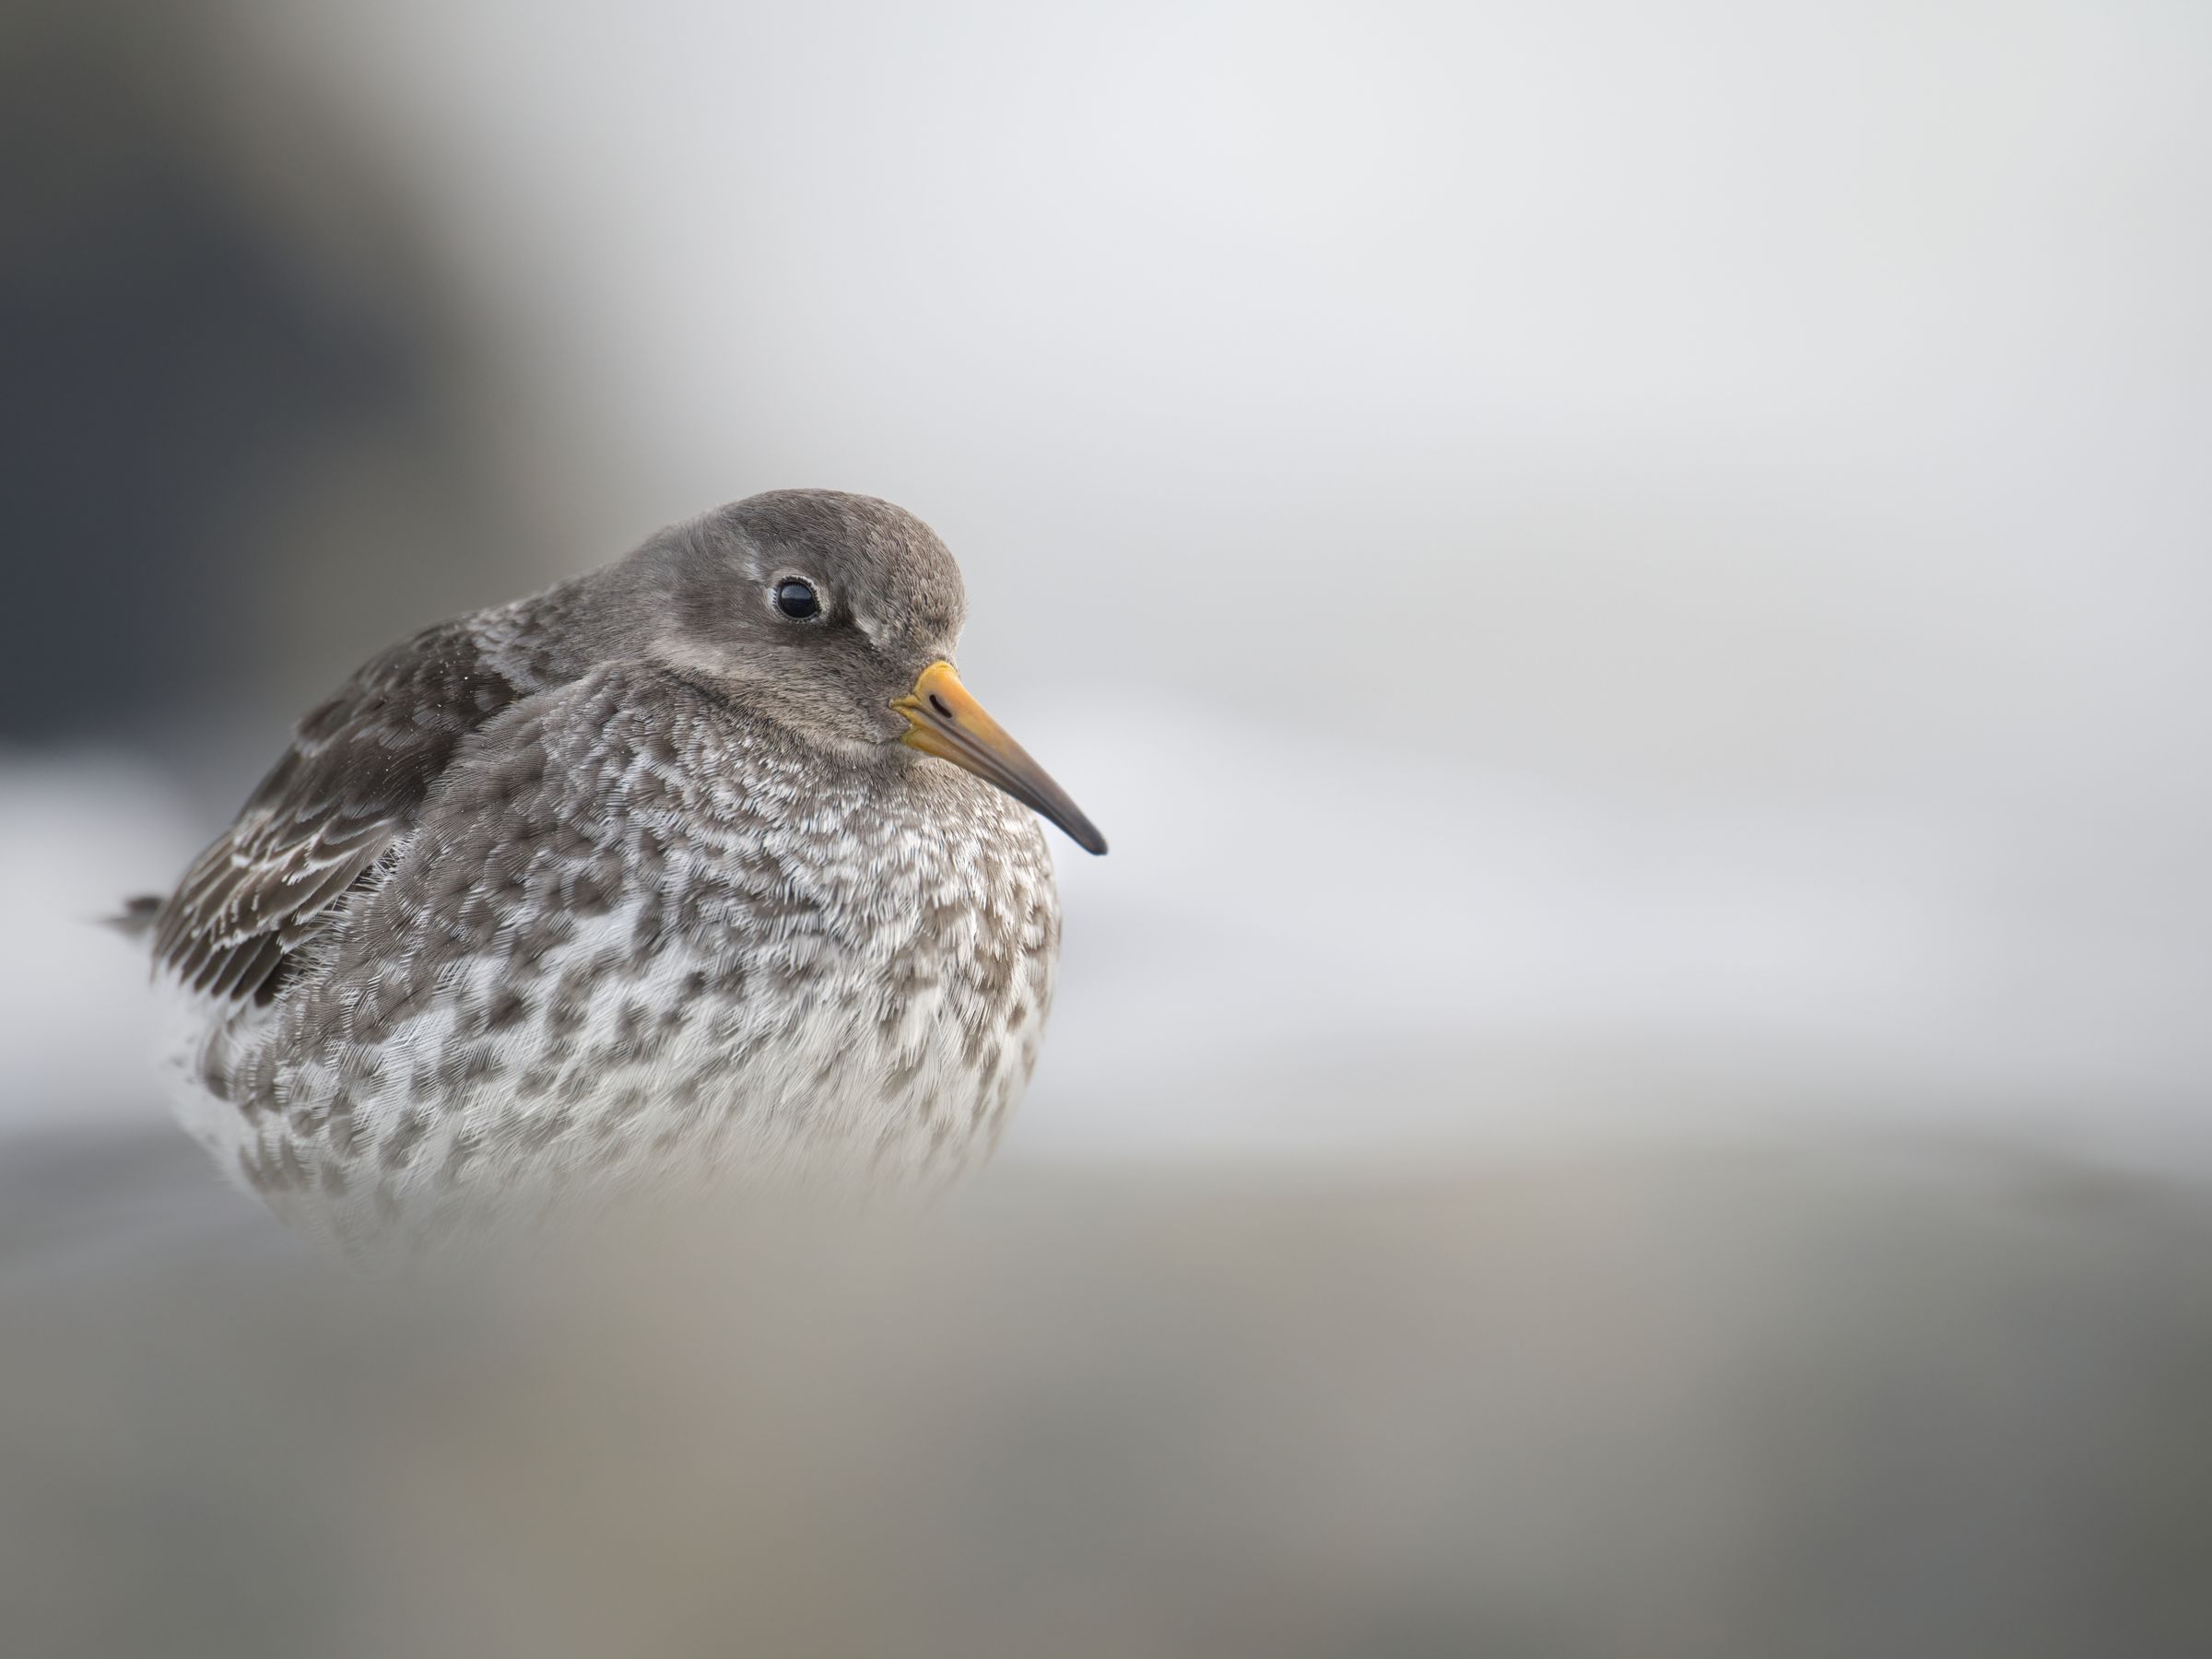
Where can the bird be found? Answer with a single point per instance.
(702, 865)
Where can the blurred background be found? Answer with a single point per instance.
(1629, 584)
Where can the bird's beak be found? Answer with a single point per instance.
(945, 721)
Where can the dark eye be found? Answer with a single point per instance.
(796, 600)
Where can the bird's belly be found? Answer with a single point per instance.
(886, 1052)
(801, 1059)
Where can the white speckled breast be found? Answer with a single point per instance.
(639, 934)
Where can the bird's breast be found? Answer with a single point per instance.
(864, 982)
(660, 955)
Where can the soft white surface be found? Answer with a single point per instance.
(78, 836)
(1294, 946)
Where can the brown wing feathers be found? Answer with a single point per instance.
(357, 772)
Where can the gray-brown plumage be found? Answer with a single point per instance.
(660, 874)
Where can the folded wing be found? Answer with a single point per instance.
(346, 789)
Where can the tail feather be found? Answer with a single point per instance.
(138, 916)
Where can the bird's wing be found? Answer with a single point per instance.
(351, 783)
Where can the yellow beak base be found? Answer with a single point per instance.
(945, 721)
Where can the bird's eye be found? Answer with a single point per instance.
(797, 600)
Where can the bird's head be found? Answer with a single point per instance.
(838, 616)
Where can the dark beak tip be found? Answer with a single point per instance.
(1079, 829)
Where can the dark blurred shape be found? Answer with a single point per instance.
(1806, 1401)
(176, 358)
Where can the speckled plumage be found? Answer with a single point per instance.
(605, 887)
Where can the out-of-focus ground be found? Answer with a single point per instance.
(1909, 1403)
(1628, 584)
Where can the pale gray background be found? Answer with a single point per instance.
(1604, 566)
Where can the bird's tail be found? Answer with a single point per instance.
(138, 916)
